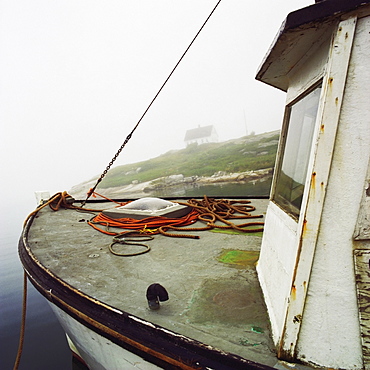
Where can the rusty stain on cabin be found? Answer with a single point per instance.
(313, 181)
(304, 228)
(293, 294)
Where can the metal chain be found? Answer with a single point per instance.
(91, 191)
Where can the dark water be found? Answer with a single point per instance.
(45, 345)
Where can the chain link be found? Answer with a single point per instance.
(91, 191)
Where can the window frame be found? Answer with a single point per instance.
(291, 210)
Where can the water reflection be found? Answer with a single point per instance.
(260, 187)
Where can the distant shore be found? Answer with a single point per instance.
(144, 189)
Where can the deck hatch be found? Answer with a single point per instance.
(148, 207)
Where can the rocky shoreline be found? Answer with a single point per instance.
(144, 189)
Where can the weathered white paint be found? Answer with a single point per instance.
(331, 312)
(286, 54)
(319, 250)
(281, 236)
(276, 263)
(302, 78)
(317, 177)
(98, 352)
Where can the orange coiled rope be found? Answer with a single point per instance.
(212, 210)
(148, 225)
(207, 210)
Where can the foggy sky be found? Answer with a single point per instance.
(76, 75)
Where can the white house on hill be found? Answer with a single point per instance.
(201, 135)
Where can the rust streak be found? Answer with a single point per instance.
(313, 181)
(293, 293)
(304, 229)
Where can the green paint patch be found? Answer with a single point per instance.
(257, 329)
(236, 232)
(239, 258)
(245, 342)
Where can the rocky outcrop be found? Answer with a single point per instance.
(219, 177)
(139, 190)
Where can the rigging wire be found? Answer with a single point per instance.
(91, 191)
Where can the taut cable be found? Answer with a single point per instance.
(91, 191)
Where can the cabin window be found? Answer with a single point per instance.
(291, 176)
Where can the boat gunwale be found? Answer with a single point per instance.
(165, 347)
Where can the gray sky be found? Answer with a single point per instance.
(76, 75)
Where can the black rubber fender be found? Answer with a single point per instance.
(155, 293)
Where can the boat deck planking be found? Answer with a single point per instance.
(214, 294)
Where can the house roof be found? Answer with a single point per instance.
(198, 133)
(298, 33)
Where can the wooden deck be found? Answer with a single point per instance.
(214, 294)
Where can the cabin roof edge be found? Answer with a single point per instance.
(320, 14)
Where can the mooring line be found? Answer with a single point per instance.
(23, 323)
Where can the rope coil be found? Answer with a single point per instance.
(131, 238)
(208, 210)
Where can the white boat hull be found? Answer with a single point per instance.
(97, 352)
